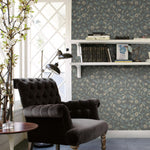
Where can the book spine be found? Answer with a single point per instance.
(98, 54)
(109, 55)
(106, 55)
(94, 58)
(90, 54)
(95, 53)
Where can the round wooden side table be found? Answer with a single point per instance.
(19, 127)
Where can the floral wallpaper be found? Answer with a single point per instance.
(124, 92)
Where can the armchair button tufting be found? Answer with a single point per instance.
(30, 96)
(31, 87)
(37, 96)
(45, 96)
(39, 88)
(79, 110)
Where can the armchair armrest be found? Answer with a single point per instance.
(51, 111)
(83, 108)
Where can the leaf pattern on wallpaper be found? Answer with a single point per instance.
(124, 92)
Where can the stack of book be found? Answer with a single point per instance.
(95, 53)
(98, 36)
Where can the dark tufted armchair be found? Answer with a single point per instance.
(68, 123)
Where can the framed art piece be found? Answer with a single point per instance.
(122, 52)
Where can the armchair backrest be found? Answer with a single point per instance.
(37, 91)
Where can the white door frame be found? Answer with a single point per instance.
(68, 45)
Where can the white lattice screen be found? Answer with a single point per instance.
(48, 33)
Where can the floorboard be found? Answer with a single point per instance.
(111, 144)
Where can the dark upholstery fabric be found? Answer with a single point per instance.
(37, 91)
(50, 130)
(85, 130)
(51, 111)
(83, 108)
(42, 105)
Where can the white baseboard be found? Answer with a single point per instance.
(128, 134)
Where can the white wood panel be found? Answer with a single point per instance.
(128, 134)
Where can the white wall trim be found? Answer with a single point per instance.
(68, 73)
(128, 134)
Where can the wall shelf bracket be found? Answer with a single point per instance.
(78, 70)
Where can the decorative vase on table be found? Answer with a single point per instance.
(13, 15)
(1, 122)
(6, 109)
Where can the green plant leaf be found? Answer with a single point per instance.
(11, 29)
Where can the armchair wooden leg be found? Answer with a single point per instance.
(103, 142)
(74, 147)
(57, 147)
(30, 145)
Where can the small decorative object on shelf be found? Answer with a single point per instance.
(142, 37)
(136, 52)
(98, 36)
(122, 37)
(123, 52)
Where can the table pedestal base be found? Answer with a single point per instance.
(11, 141)
(29, 145)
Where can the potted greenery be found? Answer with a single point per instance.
(12, 29)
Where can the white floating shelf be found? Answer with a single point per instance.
(134, 41)
(111, 41)
(79, 65)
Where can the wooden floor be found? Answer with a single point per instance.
(112, 144)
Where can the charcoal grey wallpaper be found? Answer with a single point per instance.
(124, 92)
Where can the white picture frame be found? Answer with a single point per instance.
(122, 52)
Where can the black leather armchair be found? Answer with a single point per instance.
(67, 123)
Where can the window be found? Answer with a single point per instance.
(49, 30)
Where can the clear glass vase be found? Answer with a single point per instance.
(1, 120)
(6, 122)
(8, 125)
(1, 124)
